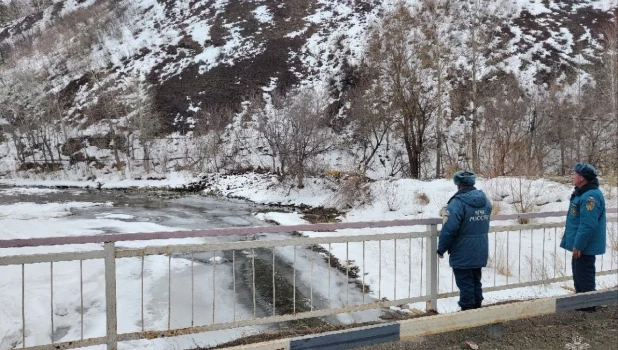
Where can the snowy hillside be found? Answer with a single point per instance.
(118, 88)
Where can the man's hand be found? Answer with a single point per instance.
(576, 253)
(440, 256)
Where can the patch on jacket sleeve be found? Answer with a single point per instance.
(573, 209)
(590, 202)
(445, 216)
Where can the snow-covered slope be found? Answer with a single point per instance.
(86, 62)
(205, 53)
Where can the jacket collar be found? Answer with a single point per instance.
(591, 185)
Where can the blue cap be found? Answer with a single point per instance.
(464, 178)
(586, 171)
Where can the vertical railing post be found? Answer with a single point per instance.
(110, 295)
(431, 268)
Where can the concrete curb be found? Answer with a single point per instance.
(389, 332)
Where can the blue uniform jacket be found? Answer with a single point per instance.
(464, 232)
(586, 222)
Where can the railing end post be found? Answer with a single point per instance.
(431, 272)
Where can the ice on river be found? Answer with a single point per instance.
(35, 220)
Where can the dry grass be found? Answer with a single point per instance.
(557, 263)
(422, 198)
(542, 270)
(539, 270)
(612, 235)
(499, 259)
(496, 208)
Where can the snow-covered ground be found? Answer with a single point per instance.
(387, 267)
(531, 255)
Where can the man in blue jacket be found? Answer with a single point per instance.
(464, 237)
(584, 233)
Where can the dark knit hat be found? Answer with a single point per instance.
(464, 178)
(586, 171)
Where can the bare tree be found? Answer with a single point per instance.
(610, 64)
(54, 111)
(597, 129)
(309, 136)
(438, 32)
(273, 125)
(398, 51)
(372, 122)
(505, 115)
(143, 120)
(604, 97)
(16, 126)
(294, 128)
(208, 137)
(480, 30)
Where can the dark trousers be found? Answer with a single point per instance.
(470, 288)
(584, 273)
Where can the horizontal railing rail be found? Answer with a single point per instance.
(244, 231)
(320, 276)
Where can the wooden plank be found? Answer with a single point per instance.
(348, 339)
(473, 318)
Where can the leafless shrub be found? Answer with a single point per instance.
(524, 195)
(389, 194)
(351, 190)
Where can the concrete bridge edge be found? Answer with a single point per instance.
(393, 331)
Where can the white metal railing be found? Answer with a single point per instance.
(292, 279)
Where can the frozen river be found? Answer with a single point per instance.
(188, 212)
(38, 212)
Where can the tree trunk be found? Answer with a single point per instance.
(301, 176)
(146, 158)
(47, 144)
(415, 166)
(19, 147)
(114, 145)
(411, 157)
(475, 156)
(439, 128)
